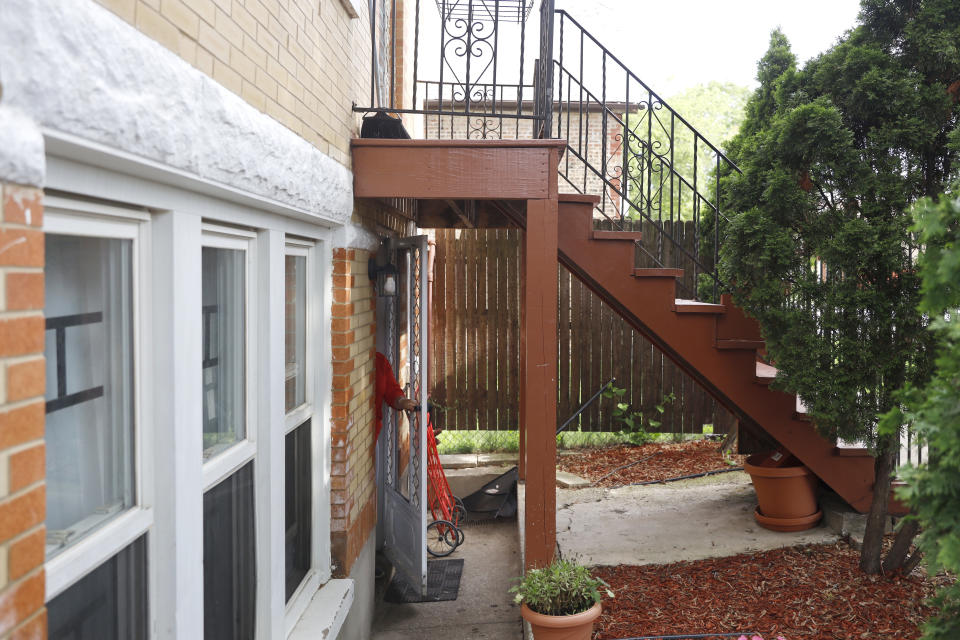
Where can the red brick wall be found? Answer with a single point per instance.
(353, 477)
(22, 382)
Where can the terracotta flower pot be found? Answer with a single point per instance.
(576, 627)
(787, 495)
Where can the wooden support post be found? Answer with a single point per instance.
(539, 348)
(522, 454)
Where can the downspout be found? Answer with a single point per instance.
(431, 255)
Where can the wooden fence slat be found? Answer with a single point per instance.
(438, 382)
(476, 341)
(502, 332)
(513, 346)
(490, 358)
(470, 346)
(564, 410)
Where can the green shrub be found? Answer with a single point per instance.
(562, 588)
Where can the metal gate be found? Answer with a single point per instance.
(405, 447)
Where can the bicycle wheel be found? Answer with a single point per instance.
(442, 538)
(459, 511)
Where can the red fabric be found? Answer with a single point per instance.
(388, 390)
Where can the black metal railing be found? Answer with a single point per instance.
(471, 79)
(469, 69)
(643, 158)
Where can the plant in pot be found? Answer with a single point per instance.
(561, 600)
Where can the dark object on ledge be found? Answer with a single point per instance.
(496, 499)
(383, 125)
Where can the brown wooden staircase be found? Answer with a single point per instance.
(715, 343)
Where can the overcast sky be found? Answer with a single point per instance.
(673, 44)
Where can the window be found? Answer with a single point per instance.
(224, 348)
(299, 503)
(96, 545)
(90, 381)
(296, 330)
(229, 559)
(298, 458)
(110, 603)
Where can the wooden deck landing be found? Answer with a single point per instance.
(456, 169)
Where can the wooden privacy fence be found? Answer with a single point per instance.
(475, 368)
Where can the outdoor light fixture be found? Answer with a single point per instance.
(382, 270)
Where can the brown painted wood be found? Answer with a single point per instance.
(689, 340)
(540, 380)
(489, 409)
(565, 408)
(699, 308)
(522, 382)
(439, 381)
(617, 235)
(454, 169)
(503, 328)
(658, 273)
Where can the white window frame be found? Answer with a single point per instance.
(317, 361)
(67, 216)
(296, 416)
(224, 463)
(175, 208)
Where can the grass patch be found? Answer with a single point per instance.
(477, 441)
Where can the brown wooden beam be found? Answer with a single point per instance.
(455, 169)
(539, 418)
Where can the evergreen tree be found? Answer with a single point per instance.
(819, 249)
(933, 411)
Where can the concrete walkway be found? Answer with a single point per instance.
(658, 524)
(484, 608)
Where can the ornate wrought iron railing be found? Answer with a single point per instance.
(473, 77)
(471, 70)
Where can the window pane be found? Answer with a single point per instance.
(296, 330)
(229, 559)
(108, 604)
(224, 349)
(298, 506)
(89, 386)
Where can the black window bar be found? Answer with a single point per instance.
(210, 360)
(59, 325)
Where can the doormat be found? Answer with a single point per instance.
(443, 583)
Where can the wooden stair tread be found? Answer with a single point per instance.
(852, 452)
(657, 273)
(732, 343)
(695, 306)
(633, 236)
(765, 373)
(578, 198)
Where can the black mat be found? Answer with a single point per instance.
(443, 583)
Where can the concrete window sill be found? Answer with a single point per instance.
(326, 613)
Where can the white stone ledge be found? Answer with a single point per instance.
(21, 149)
(326, 613)
(76, 68)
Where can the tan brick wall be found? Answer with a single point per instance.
(22, 382)
(353, 478)
(303, 62)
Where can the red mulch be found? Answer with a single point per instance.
(671, 461)
(814, 592)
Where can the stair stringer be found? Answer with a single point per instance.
(690, 340)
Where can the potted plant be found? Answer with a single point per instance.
(786, 491)
(560, 601)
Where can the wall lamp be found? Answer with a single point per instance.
(382, 270)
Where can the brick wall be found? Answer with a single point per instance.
(303, 62)
(22, 382)
(353, 337)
